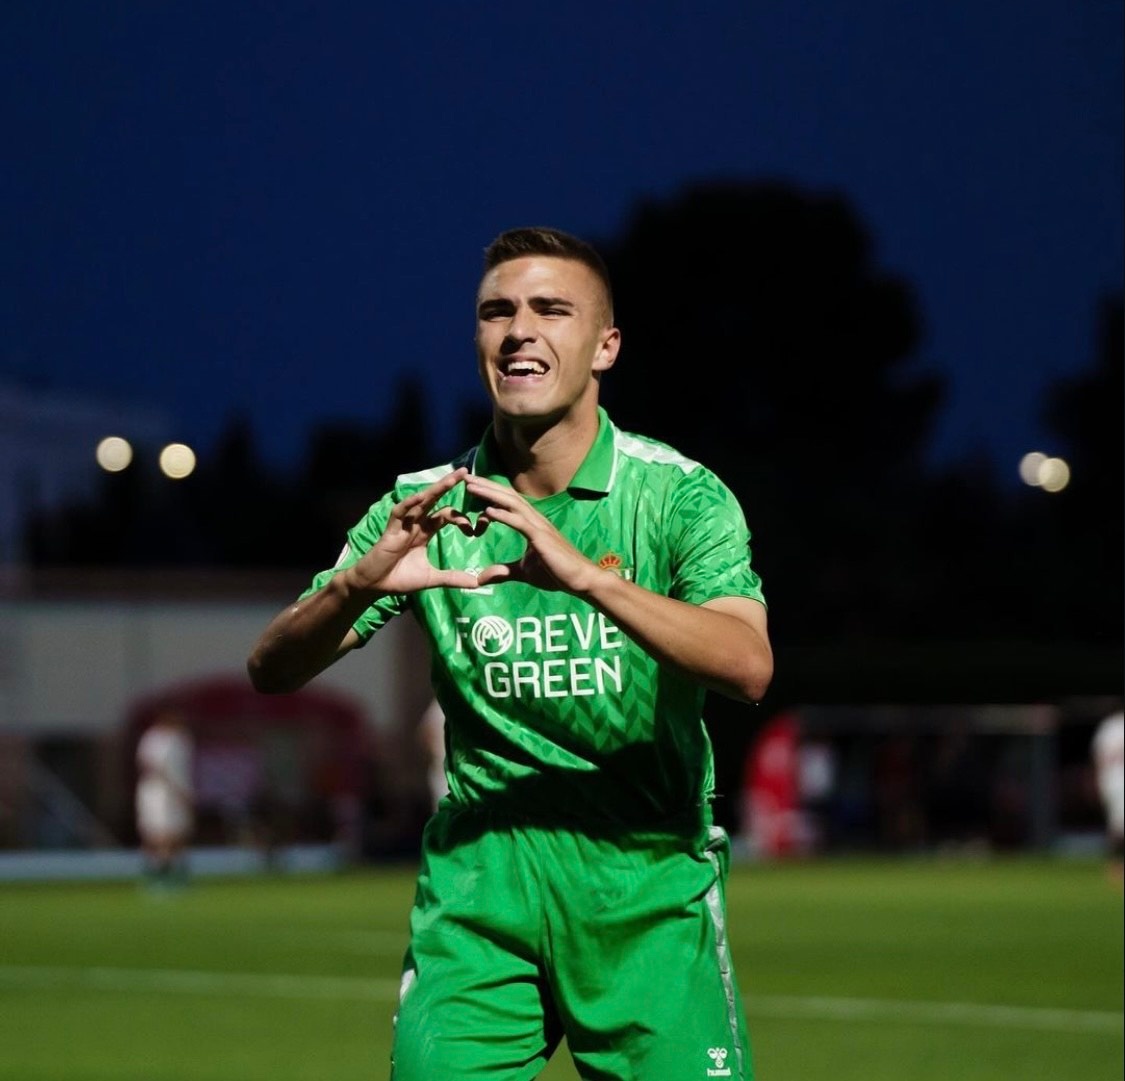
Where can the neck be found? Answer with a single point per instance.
(542, 459)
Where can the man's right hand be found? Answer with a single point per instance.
(397, 562)
(308, 636)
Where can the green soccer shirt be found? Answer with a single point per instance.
(552, 713)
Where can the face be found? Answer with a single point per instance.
(542, 334)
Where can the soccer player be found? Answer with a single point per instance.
(581, 588)
(1108, 752)
(165, 799)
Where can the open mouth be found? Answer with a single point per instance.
(522, 368)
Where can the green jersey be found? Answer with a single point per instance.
(552, 712)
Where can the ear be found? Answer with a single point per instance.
(607, 351)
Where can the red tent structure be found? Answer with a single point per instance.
(268, 770)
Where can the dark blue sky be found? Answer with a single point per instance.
(279, 207)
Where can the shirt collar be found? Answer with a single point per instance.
(594, 475)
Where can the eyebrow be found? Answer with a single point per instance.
(498, 303)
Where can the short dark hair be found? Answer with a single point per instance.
(543, 240)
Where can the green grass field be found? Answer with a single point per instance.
(853, 971)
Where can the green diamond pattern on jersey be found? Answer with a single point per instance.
(552, 713)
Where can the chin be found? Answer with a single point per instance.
(521, 405)
(527, 413)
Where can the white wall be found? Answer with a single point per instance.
(69, 666)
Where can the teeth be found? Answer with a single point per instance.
(522, 367)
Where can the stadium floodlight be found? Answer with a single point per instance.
(1030, 464)
(1040, 471)
(177, 460)
(1054, 475)
(114, 454)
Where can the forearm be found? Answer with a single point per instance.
(722, 651)
(308, 636)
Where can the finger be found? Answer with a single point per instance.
(414, 506)
(444, 516)
(453, 579)
(498, 494)
(404, 507)
(499, 572)
(429, 496)
(512, 518)
(507, 506)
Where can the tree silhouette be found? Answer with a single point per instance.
(349, 466)
(1086, 519)
(242, 508)
(760, 338)
(135, 518)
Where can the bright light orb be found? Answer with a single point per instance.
(177, 460)
(114, 454)
(1054, 475)
(1030, 464)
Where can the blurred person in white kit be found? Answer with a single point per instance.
(165, 802)
(1108, 752)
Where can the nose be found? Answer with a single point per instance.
(521, 328)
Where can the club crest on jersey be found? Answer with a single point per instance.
(611, 561)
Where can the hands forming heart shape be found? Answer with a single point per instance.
(398, 561)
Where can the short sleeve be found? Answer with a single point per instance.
(360, 538)
(711, 542)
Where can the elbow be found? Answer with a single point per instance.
(753, 690)
(754, 679)
(743, 675)
(267, 680)
(758, 688)
(739, 651)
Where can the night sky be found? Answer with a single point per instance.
(279, 208)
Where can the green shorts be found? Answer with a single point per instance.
(522, 934)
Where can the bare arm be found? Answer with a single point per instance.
(724, 643)
(307, 637)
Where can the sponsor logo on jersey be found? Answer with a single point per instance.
(492, 636)
(562, 655)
